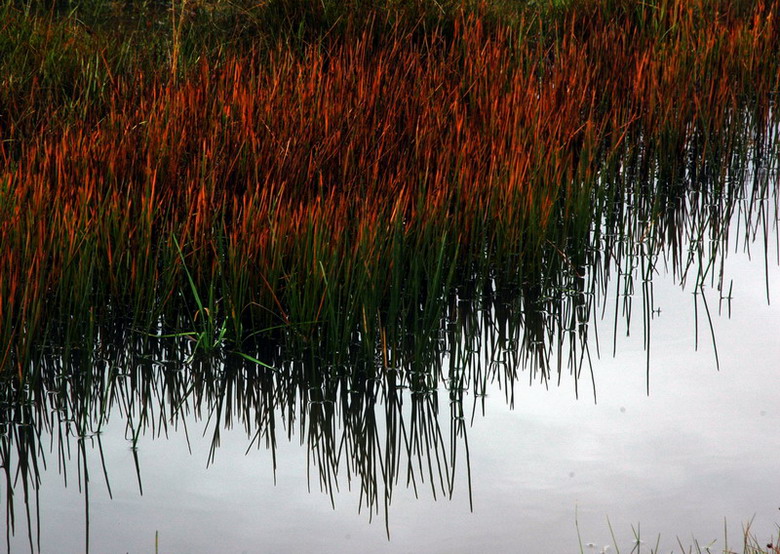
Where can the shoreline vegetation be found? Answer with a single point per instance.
(308, 194)
(333, 172)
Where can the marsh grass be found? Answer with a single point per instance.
(340, 194)
(337, 177)
(360, 190)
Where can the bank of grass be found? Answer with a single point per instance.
(336, 168)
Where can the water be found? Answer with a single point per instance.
(675, 440)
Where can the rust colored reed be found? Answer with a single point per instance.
(281, 171)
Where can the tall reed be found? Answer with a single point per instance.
(336, 186)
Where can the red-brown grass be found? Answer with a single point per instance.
(291, 177)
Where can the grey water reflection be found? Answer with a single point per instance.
(113, 442)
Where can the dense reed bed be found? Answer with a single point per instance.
(340, 185)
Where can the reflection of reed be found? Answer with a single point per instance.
(371, 416)
(360, 431)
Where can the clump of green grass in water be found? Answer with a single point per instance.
(209, 330)
(210, 334)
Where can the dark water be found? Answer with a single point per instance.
(645, 400)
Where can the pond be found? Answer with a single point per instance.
(639, 406)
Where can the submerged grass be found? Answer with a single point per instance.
(338, 171)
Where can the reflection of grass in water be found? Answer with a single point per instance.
(336, 416)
